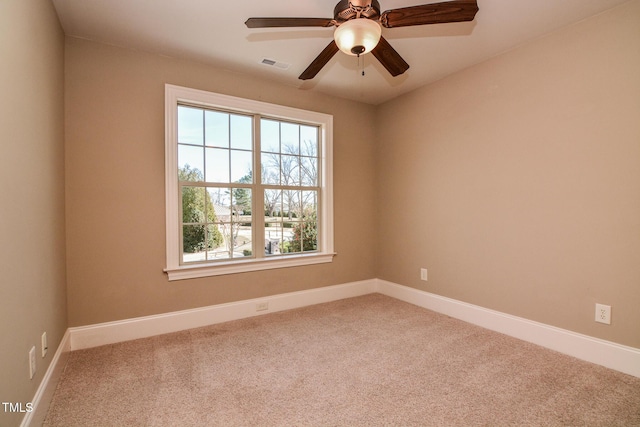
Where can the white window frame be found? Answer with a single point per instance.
(177, 271)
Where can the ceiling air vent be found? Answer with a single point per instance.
(274, 63)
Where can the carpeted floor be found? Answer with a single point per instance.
(366, 361)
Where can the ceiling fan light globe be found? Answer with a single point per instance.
(358, 35)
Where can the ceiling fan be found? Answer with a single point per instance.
(359, 29)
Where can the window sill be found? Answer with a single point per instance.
(199, 270)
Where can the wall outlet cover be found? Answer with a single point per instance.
(603, 314)
(44, 345)
(32, 362)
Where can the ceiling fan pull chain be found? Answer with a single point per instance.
(360, 64)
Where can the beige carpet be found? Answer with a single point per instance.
(366, 361)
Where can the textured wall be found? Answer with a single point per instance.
(32, 253)
(115, 186)
(517, 181)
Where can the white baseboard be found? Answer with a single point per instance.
(611, 355)
(615, 356)
(44, 394)
(142, 327)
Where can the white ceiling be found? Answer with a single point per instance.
(213, 32)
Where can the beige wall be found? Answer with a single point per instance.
(32, 253)
(517, 181)
(115, 186)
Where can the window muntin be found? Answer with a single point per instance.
(227, 213)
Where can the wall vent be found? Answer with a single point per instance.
(274, 63)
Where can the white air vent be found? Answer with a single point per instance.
(274, 63)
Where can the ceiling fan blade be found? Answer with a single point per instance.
(320, 61)
(389, 58)
(435, 13)
(288, 22)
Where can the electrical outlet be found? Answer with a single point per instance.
(423, 274)
(43, 341)
(603, 314)
(262, 306)
(32, 362)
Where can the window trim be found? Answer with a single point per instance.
(177, 271)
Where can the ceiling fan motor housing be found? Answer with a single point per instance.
(346, 10)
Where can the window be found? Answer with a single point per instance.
(248, 185)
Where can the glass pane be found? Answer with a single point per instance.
(303, 235)
(216, 247)
(290, 138)
(217, 165)
(190, 125)
(214, 236)
(226, 229)
(310, 235)
(290, 170)
(309, 141)
(272, 238)
(296, 205)
(289, 204)
(287, 237)
(194, 257)
(221, 252)
(190, 163)
(309, 226)
(241, 132)
(272, 203)
(210, 210)
(309, 202)
(242, 204)
(193, 204)
(193, 240)
(270, 168)
(221, 200)
(270, 136)
(309, 171)
(241, 166)
(216, 129)
(243, 244)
